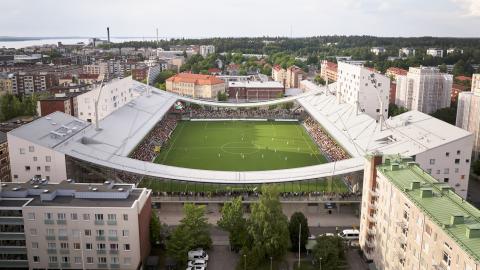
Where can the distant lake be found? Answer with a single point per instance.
(38, 42)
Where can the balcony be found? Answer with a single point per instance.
(372, 205)
(13, 249)
(53, 264)
(372, 231)
(51, 251)
(113, 251)
(102, 265)
(11, 264)
(101, 251)
(11, 220)
(112, 238)
(111, 222)
(50, 237)
(64, 251)
(374, 193)
(65, 265)
(100, 238)
(12, 236)
(49, 221)
(62, 237)
(370, 244)
(99, 222)
(61, 222)
(114, 266)
(371, 218)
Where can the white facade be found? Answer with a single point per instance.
(406, 52)
(112, 96)
(424, 89)
(28, 160)
(468, 113)
(435, 52)
(205, 50)
(367, 90)
(377, 50)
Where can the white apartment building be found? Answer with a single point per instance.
(406, 52)
(112, 96)
(410, 221)
(435, 52)
(363, 88)
(74, 226)
(424, 89)
(101, 69)
(468, 113)
(377, 50)
(205, 50)
(454, 50)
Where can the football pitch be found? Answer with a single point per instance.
(240, 146)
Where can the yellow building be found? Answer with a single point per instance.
(195, 85)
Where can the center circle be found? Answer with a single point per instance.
(237, 148)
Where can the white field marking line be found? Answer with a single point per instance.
(305, 140)
(173, 144)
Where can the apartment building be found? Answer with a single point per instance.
(74, 226)
(144, 73)
(26, 83)
(88, 78)
(468, 113)
(294, 75)
(411, 221)
(195, 85)
(377, 50)
(424, 89)
(6, 86)
(62, 102)
(101, 69)
(394, 72)
(255, 90)
(329, 71)
(435, 52)
(4, 159)
(110, 97)
(279, 74)
(406, 52)
(363, 88)
(205, 50)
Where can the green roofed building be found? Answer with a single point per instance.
(410, 220)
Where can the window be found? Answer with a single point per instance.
(50, 232)
(446, 259)
(31, 216)
(31, 148)
(127, 260)
(34, 158)
(102, 259)
(446, 180)
(125, 217)
(447, 154)
(432, 161)
(48, 159)
(65, 259)
(51, 245)
(77, 259)
(113, 246)
(86, 216)
(76, 233)
(458, 152)
(52, 259)
(61, 216)
(114, 260)
(34, 244)
(36, 259)
(62, 232)
(47, 168)
(112, 233)
(73, 216)
(126, 246)
(64, 245)
(88, 232)
(89, 259)
(446, 171)
(457, 161)
(76, 245)
(99, 217)
(457, 170)
(125, 233)
(101, 246)
(38, 168)
(33, 231)
(22, 151)
(429, 171)
(88, 246)
(112, 217)
(100, 233)
(27, 168)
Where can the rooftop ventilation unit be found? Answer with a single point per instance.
(107, 182)
(36, 186)
(48, 118)
(94, 189)
(15, 188)
(46, 191)
(120, 189)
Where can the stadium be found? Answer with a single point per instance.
(309, 144)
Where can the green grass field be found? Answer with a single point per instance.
(240, 146)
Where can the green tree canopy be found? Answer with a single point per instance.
(297, 219)
(155, 230)
(330, 252)
(232, 221)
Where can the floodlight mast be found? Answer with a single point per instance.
(97, 124)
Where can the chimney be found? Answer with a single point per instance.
(108, 34)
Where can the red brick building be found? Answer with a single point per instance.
(255, 90)
(457, 89)
(140, 74)
(62, 102)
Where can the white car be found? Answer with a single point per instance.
(196, 268)
(198, 254)
(350, 234)
(195, 263)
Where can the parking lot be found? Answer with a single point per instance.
(221, 258)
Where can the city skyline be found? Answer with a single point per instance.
(248, 18)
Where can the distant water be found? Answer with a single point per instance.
(38, 42)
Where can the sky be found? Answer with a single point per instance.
(240, 18)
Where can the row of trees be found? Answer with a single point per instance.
(12, 106)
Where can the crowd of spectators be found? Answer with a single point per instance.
(146, 150)
(243, 113)
(327, 145)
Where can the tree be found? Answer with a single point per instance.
(329, 251)
(268, 226)
(297, 219)
(164, 75)
(234, 223)
(394, 110)
(155, 230)
(319, 80)
(476, 167)
(448, 115)
(222, 96)
(287, 105)
(191, 233)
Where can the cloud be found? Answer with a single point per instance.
(470, 7)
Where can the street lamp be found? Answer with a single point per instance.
(271, 262)
(244, 261)
(320, 263)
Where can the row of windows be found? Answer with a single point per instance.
(74, 216)
(88, 246)
(77, 233)
(88, 260)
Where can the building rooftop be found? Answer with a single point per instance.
(198, 79)
(67, 193)
(51, 130)
(438, 201)
(256, 84)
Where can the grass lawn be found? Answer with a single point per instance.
(240, 146)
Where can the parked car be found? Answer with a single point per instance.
(198, 254)
(349, 234)
(196, 268)
(202, 263)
